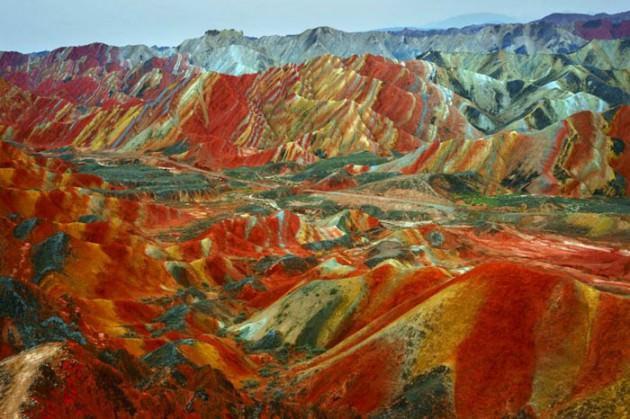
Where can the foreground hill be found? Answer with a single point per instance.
(175, 292)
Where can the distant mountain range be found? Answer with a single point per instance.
(568, 18)
(230, 51)
(461, 21)
(481, 19)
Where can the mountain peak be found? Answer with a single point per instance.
(224, 33)
(471, 19)
(322, 30)
(563, 18)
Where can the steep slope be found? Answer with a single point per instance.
(94, 74)
(332, 107)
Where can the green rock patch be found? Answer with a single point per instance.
(50, 255)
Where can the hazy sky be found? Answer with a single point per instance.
(34, 25)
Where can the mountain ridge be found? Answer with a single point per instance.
(273, 50)
(459, 21)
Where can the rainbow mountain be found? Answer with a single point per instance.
(349, 225)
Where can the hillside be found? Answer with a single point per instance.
(179, 291)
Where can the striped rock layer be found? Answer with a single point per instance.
(585, 155)
(326, 107)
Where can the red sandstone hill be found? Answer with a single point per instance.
(327, 105)
(336, 238)
(93, 100)
(286, 314)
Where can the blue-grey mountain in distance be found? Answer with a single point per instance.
(462, 21)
